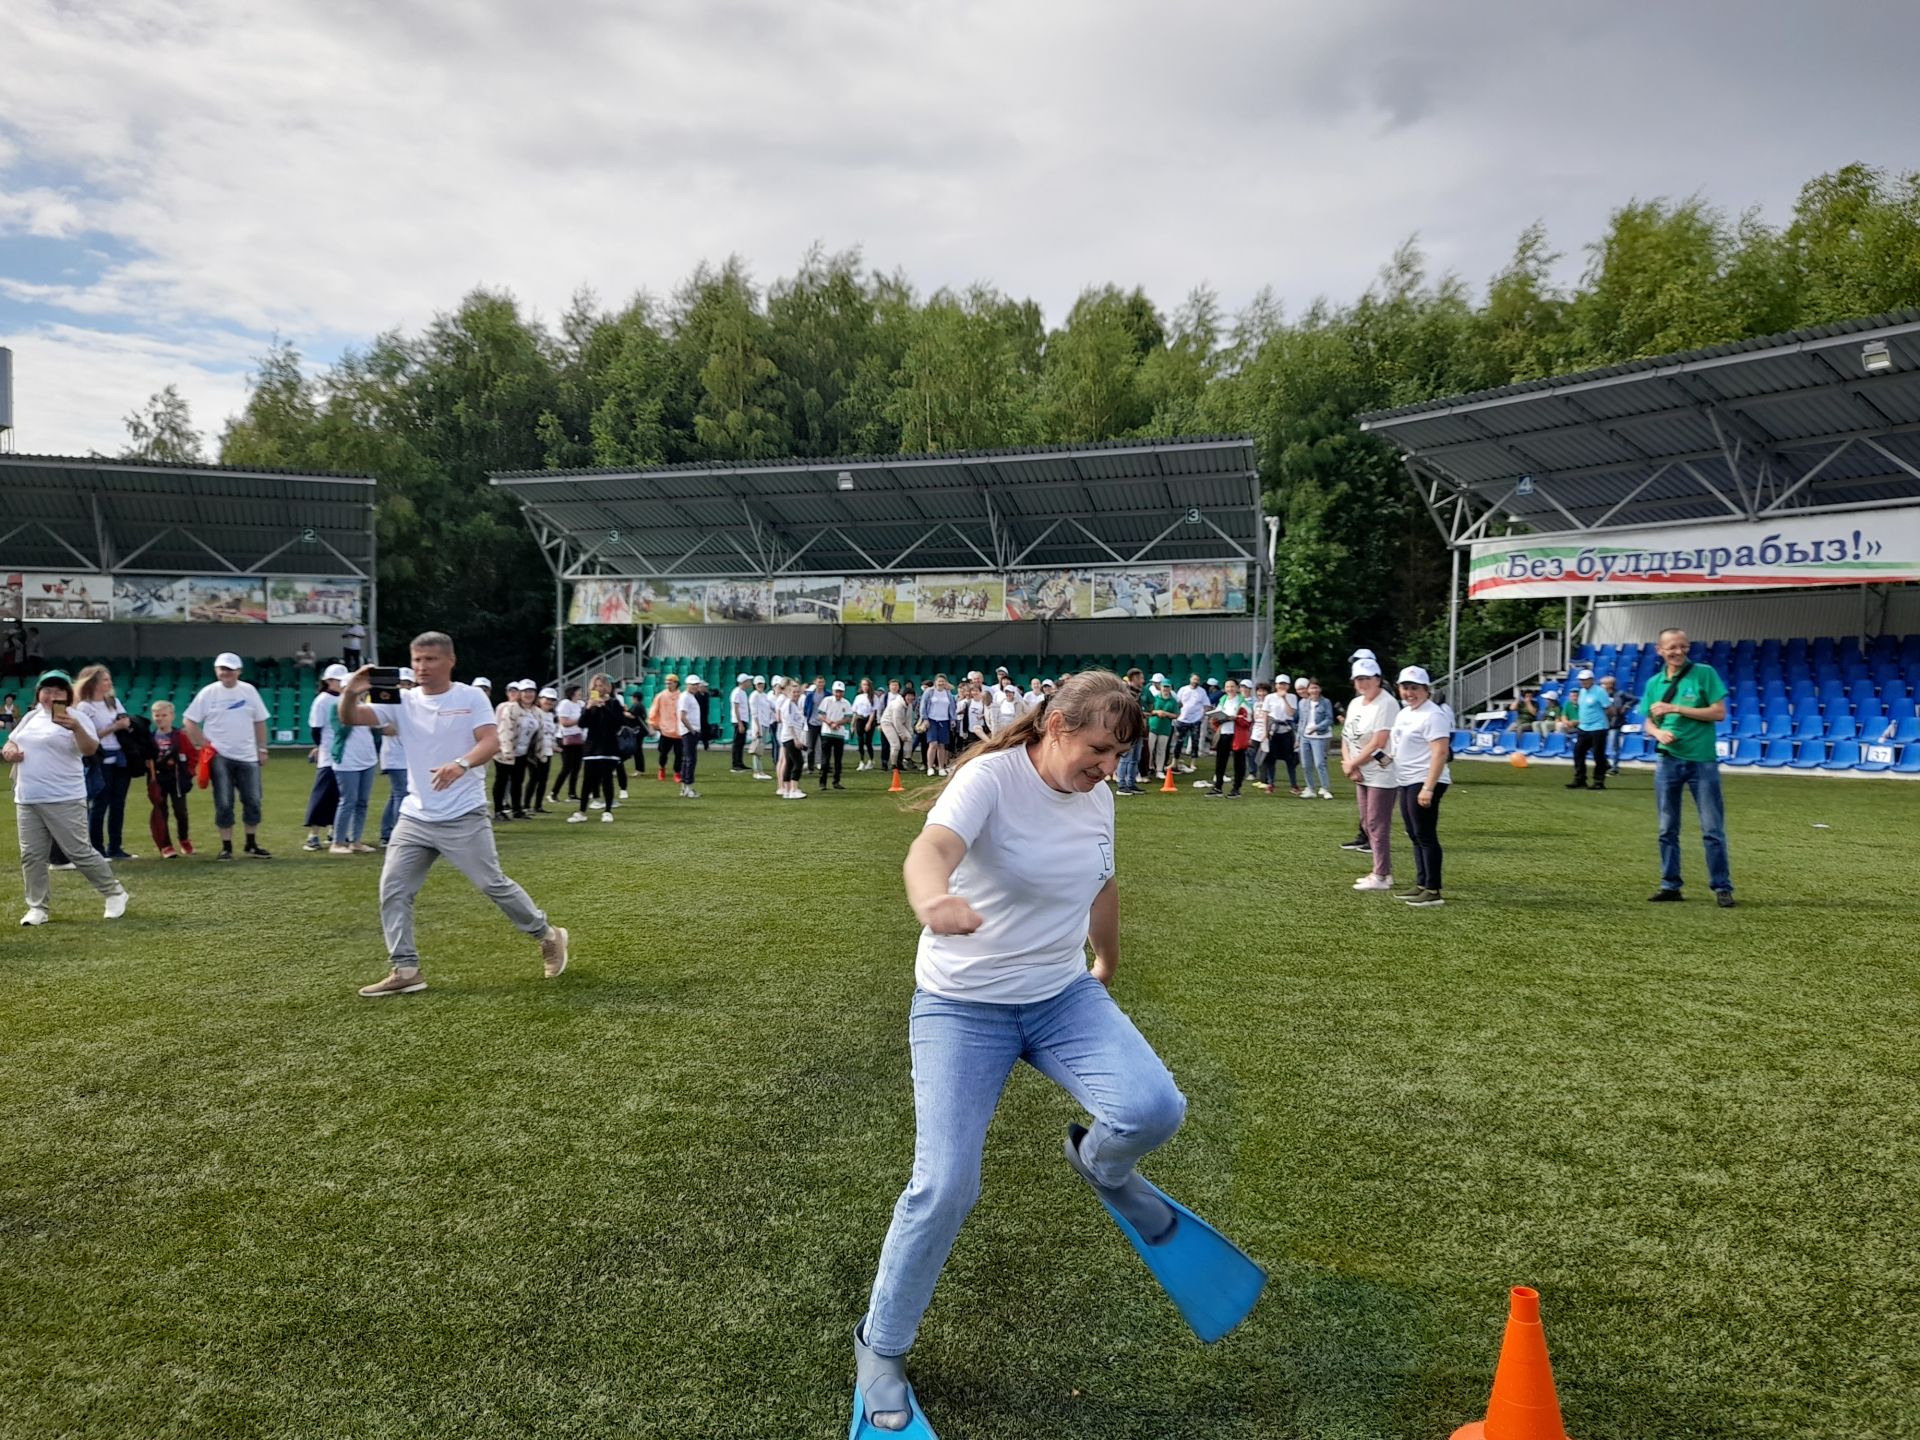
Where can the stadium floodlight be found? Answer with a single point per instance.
(845, 480)
(1876, 357)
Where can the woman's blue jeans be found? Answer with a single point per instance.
(396, 795)
(1314, 753)
(963, 1053)
(356, 789)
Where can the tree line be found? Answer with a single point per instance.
(838, 358)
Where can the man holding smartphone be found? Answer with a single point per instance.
(449, 732)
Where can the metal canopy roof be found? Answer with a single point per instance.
(1767, 427)
(138, 517)
(1053, 506)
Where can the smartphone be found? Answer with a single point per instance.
(59, 709)
(383, 685)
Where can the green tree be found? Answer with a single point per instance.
(722, 332)
(163, 431)
(278, 426)
(967, 377)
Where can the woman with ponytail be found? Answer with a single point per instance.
(1011, 877)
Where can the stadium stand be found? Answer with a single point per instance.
(286, 689)
(1801, 704)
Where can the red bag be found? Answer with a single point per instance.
(203, 772)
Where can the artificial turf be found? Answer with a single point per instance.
(646, 1199)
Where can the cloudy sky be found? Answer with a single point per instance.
(182, 179)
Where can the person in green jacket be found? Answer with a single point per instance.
(1163, 708)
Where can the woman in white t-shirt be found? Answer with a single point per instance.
(1010, 878)
(51, 745)
(866, 719)
(573, 743)
(792, 719)
(1422, 744)
(1366, 756)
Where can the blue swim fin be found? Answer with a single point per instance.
(1209, 1278)
(862, 1429)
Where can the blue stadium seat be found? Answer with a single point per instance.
(1749, 725)
(1462, 741)
(1841, 727)
(1529, 743)
(1779, 752)
(1845, 755)
(1745, 752)
(1809, 726)
(1635, 747)
(1555, 747)
(1909, 761)
(1810, 755)
(1868, 763)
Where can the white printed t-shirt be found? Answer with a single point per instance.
(1415, 731)
(437, 730)
(1362, 720)
(226, 716)
(1036, 858)
(318, 713)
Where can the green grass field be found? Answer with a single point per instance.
(646, 1199)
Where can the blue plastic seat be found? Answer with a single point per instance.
(1749, 725)
(1841, 727)
(1809, 726)
(1844, 755)
(1779, 752)
(1745, 752)
(1555, 748)
(1868, 763)
(1529, 743)
(1462, 741)
(1909, 761)
(1635, 747)
(1810, 755)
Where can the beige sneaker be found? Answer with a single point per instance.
(400, 982)
(553, 950)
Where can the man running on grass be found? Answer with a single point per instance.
(449, 733)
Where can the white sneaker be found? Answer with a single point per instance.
(1374, 882)
(690, 793)
(598, 805)
(623, 794)
(607, 819)
(117, 905)
(761, 775)
(36, 915)
(1326, 794)
(579, 817)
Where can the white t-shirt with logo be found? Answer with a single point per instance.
(437, 730)
(833, 713)
(359, 752)
(1036, 859)
(51, 769)
(1415, 732)
(1363, 718)
(226, 715)
(318, 713)
(1194, 704)
(101, 714)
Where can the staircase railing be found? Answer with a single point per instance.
(1499, 673)
(622, 664)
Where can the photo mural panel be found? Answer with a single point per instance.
(807, 600)
(12, 591)
(48, 596)
(669, 602)
(150, 598)
(1050, 595)
(974, 597)
(315, 600)
(878, 600)
(1210, 589)
(1130, 594)
(226, 599)
(739, 602)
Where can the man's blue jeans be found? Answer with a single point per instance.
(1127, 772)
(963, 1053)
(1702, 779)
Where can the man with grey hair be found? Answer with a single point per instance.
(450, 733)
(1684, 704)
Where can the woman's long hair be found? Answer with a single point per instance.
(1082, 701)
(88, 680)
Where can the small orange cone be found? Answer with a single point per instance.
(1518, 760)
(896, 787)
(1524, 1405)
(1169, 788)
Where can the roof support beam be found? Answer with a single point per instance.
(1780, 500)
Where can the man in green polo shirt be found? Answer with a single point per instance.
(1163, 708)
(1684, 703)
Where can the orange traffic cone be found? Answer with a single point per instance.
(896, 787)
(1518, 760)
(1169, 788)
(1524, 1405)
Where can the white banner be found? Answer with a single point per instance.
(1877, 547)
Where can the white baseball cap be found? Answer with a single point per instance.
(1366, 665)
(406, 675)
(695, 680)
(839, 684)
(227, 660)
(1283, 679)
(759, 679)
(482, 682)
(1363, 655)
(1046, 684)
(1414, 675)
(549, 693)
(334, 672)
(1212, 681)
(779, 679)
(743, 679)
(1584, 675)
(1158, 679)
(528, 685)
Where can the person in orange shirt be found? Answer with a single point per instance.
(664, 720)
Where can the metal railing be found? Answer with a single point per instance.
(1500, 673)
(622, 664)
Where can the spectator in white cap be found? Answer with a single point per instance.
(1422, 742)
(1589, 711)
(740, 715)
(693, 721)
(1366, 756)
(1162, 709)
(1282, 709)
(450, 735)
(546, 740)
(833, 714)
(230, 716)
(1313, 729)
(323, 800)
(481, 682)
(506, 760)
(393, 764)
(763, 721)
